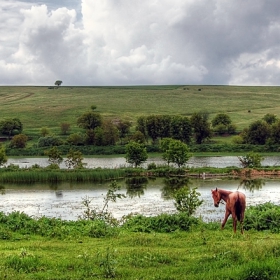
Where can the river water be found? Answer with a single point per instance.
(217, 161)
(149, 198)
(152, 198)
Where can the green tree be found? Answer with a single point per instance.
(138, 136)
(3, 156)
(58, 83)
(64, 127)
(258, 132)
(221, 118)
(153, 127)
(55, 156)
(181, 129)
(11, 127)
(275, 133)
(142, 127)
(136, 153)
(175, 151)
(76, 139)
(187, 200)
(19, 141)
(44, 131)
(201, 126)
(124, 128)
(89, 120)
(251, 160)
(270, 118)
(110, 133)
(222, 124)
(74, 159)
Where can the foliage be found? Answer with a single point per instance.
(275, 133)
(136, 153)
(74, 159)
(263, 217)
(138, 136)
(175, 151)
(221, 118)
(19, 141)
(187, 200)
(110, 133)
(201, 126)
(76, 139)
(44, 131)
(181, 129)
(89, 120)
(162, 223)
(54, 155)
(257, 133)
(124, 128)
(251, 160)
(270, 118)
(58, 83)
(111, 196)
(49, 141)
(11, 126)
(65, 127)
(3, 156)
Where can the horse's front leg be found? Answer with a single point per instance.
(225, 219)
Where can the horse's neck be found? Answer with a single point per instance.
(224, 194)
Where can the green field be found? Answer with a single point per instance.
(201, 254)
(39, 107)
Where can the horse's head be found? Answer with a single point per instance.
(216, 197)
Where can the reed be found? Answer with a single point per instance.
(63, 175)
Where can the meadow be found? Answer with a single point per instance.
(149, 248)
(39, 107)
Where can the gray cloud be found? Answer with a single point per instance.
(108, 42)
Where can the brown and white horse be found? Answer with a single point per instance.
(235, 205)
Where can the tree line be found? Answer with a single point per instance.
(99, 131)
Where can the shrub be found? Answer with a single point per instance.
(49, 141)
(19, 141)
(162, 223)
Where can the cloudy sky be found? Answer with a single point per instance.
(135, 42)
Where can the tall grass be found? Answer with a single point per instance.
(45, 175)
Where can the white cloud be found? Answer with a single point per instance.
(139, 42)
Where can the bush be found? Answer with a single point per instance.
(162, 223)
(49, 141)
(263, 217)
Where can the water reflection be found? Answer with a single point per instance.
(146, 196)
(172, 184)
(251, 184)
(2, 190)
(135, 186)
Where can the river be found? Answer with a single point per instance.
(212, 161)
(151, 198)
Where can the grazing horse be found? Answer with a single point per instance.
(235, 205)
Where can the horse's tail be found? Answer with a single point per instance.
(238, 209)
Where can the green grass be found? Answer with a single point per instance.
(39, 107)
(199, 254)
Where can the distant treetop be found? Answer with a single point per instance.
(58, 83)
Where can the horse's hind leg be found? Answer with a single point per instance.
(225, 219)
(241, 222)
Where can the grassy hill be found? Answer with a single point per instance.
(39, 107)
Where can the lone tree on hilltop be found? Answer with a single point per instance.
(58, 83)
